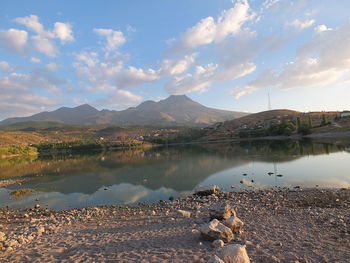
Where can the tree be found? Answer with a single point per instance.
(323, 120)
(298, 122)
(310, 122)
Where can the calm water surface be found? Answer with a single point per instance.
(133, 176)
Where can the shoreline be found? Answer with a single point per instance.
(148, 145)
(300, 225)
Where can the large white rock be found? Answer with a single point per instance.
(234, 223)
(216, 230)
(215, 259)
(206, 190)
(234, 254)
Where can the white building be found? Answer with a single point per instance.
(345, 114)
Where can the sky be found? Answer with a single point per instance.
(223, 54)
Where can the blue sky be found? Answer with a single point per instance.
(223, 54)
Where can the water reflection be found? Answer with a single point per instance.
(150, 175)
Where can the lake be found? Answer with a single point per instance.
(134, 176)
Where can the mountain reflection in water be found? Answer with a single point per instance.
(127, 177)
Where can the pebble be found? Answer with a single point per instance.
(217, 243)
(2, 236)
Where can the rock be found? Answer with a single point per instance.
(207, 190)
(21, 240)
(184, 213)
(10, 243)
(234, 223)
(2, 236)
(217, 243)
(40, 230)
(215, 259)
(215, 230)
(221, 211)
(9, 249)
(248, 243)
(37, 206)
(234, 254)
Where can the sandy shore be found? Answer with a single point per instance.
(310, 225)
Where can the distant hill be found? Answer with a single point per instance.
(175, 110)
(262, 120)
(259, 118)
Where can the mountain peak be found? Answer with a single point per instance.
(85, 107)
(178, 97)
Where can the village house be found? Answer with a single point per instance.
(345, 114)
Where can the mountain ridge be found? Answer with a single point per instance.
(174, 110)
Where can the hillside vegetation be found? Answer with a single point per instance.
(274, 123)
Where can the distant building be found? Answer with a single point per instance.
(345, 114)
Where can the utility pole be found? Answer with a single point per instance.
(269, 100)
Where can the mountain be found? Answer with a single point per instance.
(77, 115)
(175, 110)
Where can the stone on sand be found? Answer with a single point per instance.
(2, 236)
(234, 223)
(216, 230)
(215, 259)
(217, 243)
(207, 190)
(184, 213)
(234, 254)
(221, 211)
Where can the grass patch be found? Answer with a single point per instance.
(21, 192)
(18, 150)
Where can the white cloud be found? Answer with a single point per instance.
(114, 39)
(20, 93)
(267, 4)
(133, 77)
(99, 74)
(175, 67)
(321, 28)
(89, 59)
(64, 32)
(203, 77)
(45, 46)
(25, 105)
(32, 22)
(322, 61)
(14, 40)
(238, 92)
(35, 60)
(43, 40)
(130, 29)
(302, 24)
(208, 31)
(5, 66)
(119, 99)
(52, 66)
(109, 73)
(125, 95)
